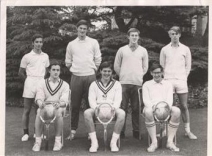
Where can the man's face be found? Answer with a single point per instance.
(38, 43)
(157, 75)
(55, 71)
(106, 73)
(133, 37)
(82, 30)
(174, 36)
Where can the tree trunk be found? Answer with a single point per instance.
(205, 35)
(119, 20)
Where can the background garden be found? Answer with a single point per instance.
(109, 25)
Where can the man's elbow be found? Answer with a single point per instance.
(20, 74)
(116, 69)
(98, 61)
(68, 65)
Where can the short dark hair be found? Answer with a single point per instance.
(175, 29)
(54, 63)
(106, 65)
(155, 66)
(133, 30)
(35, 36)
(82, 22)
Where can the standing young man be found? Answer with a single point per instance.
(83, 58)
(175, 58)
(155, 91)
(32, 70)
(131, 63)
(55, 90)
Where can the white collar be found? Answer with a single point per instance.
(50, 80)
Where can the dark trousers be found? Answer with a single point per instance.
(79, 88)
(130, 95)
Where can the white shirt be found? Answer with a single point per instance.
(154, 92)
(98, 93)
(176, 61)
(35, 64)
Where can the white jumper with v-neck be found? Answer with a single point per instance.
(131, 65)
(53, 91)
(98, 93)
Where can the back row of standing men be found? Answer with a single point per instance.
(83, 58)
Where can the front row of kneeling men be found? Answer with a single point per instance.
(106, 90)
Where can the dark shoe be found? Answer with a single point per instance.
(136, 134)
(122, 135)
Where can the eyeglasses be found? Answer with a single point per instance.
(174, 33)
(156, 73)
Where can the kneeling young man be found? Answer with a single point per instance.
(155, 91)
(105, 90)
(57, 91)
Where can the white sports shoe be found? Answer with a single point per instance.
(73, 133)
(57, 146)
(94, 147)
(25, 137)
(114, 147)
(152, 147)
(36, 146)
(191, 136)
(172, 147)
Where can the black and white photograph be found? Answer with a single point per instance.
(105, 79)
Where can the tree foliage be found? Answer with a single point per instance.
(57, 24)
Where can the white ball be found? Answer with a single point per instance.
(162, 111)
(105, 112)
(48, 112)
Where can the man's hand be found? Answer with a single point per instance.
(113, 108)
(56, 105)
(41, 104)
(153, 108)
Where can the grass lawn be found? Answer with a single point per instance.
(79, 146)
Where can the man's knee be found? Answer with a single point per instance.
(184, 107)
(175, 112)
(60, 112)
(148, 112)
(120, 113)
(88, 114)
(27, 110)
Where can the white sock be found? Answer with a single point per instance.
(58, 138)
(73, 131)
(172, 129)
(38, 139)
(93, 137)
(151, 128)
(115, 137)
(187, 127)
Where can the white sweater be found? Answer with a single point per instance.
(46, 92)
(176, 61)
(131, 65)
(98, 93)
(84, 56)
